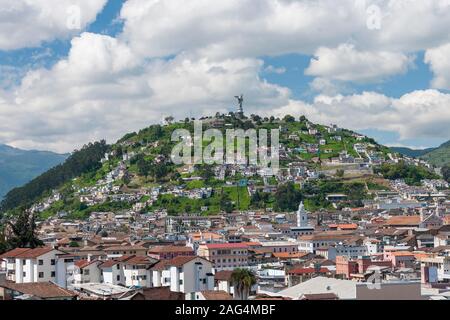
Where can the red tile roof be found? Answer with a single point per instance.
(34, 253)
(13, 253)
(175, 262)
(223, 275)
(216, 295)
(44, 290)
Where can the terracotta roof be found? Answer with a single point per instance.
(403, 220)
(124, 248)
(40, 289)
(344, 226)
(13, 253)
(34, 253)
(84, 263)
(216, 295)
(166, 249)
(290, 255)
(205, 235)
(175, 262)
(160, 293)
(141, 260)
(223, 275)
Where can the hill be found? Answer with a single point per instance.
(137, 173)
(17, 166)
(413, 153)
(438, 157)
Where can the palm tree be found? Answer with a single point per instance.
(242, 280)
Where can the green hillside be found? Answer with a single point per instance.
(126, 174)
(17, 167)
(440, 156)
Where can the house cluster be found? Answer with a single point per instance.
(341, 254)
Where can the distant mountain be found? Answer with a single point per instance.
(414, 153)
(17, 167)
(438, 157)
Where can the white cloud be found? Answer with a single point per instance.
(271, 27)
(28, 23)
(439, 61)
(109, 86)
(345, 63)
(419, 114)
(102, 90)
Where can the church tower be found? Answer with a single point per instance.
(302, 216)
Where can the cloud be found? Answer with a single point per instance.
(247, 28)
(272, 69)
(345, 63)
(191, 58)
(439, 61)
(102, 90)
(28, 23)
(419, 114)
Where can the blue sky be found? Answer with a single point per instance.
(283, 70)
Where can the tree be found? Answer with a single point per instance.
(143, 166)
(289, 118)
(225, 203)
(24, 232)
(243, 280)
(73, 244)
(169, 119)
(446, 172)
(3, 243)
(287, 197)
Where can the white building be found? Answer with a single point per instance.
(187, 274)
(303, 227)
(24, 265)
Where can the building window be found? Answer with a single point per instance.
(41, 262)
(52, 262)
(118, 278)
(117, 267)
(181, 282)
(41, 274)
(53, 274)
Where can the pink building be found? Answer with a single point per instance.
(225, 256)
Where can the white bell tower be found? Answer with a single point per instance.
(302, 216)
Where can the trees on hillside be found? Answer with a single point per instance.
(446, 172)
(82, 161)
(412, 175)
(287, 197)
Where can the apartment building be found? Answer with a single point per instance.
(225, 256)
(24, 265)
(169, 252)
(186, 274)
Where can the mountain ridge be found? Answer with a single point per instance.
(18, 166)
(439, 156)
